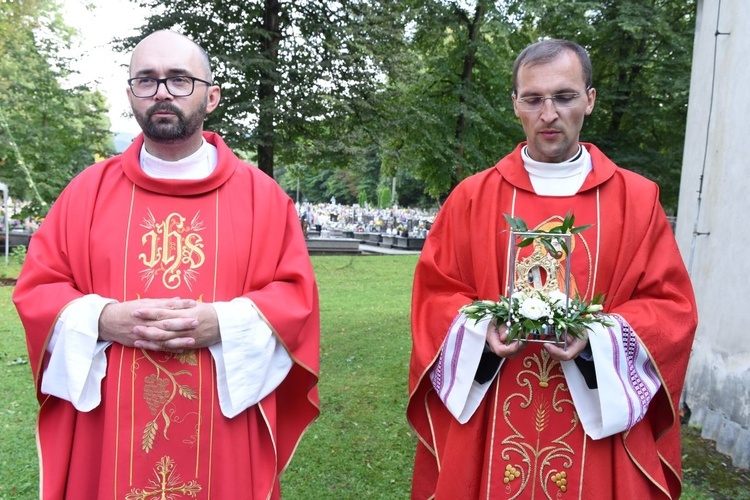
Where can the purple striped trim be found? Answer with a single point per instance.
(648, 369)
(641, 388)
(438, 373)
(617, 364)
(454, 359)
(631, 346)
(638, 385)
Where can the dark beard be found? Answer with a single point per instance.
(165, 130)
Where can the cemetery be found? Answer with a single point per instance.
(331, 228)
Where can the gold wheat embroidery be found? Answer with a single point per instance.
(159, 392)
(541, 415)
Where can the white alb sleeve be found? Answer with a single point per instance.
(77, 361)
(250, 361)
(625, 376)
(453, 374)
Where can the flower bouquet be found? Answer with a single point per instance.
(539, 316)
(539, 307)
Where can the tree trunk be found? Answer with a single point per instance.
(267, 86)
(465, 85)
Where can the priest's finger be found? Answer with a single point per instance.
(570, 351)
(177, 303)
(496, 340)
(161, 331)
(177, 346)
(165, 313)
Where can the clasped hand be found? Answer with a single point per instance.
(497, 337)
(171, 325)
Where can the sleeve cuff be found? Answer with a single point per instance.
(250, 361)
(78, 361)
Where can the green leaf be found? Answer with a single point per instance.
(516, 223)
(580, 229)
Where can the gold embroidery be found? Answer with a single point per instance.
(173, 249)
(159, 393)
(187, 358)
(511, 473)
(534, 456)
(541, 415)
(544, 365)
(538, 454)
(561, 481)
(155, 392)
(166, 485)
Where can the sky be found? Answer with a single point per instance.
(100, 66)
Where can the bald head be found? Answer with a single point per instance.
(172, 110)
(182, 54)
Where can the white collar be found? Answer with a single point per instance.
(198, 165)
(568, 168)
(558, 179)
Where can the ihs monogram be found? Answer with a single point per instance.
(173, 249)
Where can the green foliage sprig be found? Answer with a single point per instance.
(539, 314)
(548, 238)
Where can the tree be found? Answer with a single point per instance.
(293, 74)
(641, 53)
(452, 113)
(48, 133)
(348, 186)
(449, 104)
(422, 87)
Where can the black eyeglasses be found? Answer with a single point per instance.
(177, 86)
(535, 102)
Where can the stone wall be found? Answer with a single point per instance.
(711, 227)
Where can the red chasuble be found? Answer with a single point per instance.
(525, 440)
(159, 432)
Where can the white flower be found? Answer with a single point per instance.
(534, 308)
(557, 298)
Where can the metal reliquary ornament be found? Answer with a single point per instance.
(539, 307)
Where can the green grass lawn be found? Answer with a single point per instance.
(19, 469)
(361, 446)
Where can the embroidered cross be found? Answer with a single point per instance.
(166, 485)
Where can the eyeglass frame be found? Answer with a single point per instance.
(575, 95)
(160, 81)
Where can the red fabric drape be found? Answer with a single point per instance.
(120, 234)
(630, 255)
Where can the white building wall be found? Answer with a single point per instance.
(713, 225)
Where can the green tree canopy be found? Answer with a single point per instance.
(420, 89)
(641, 52)
(48, 133)
(449, 101)
(294, 75)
